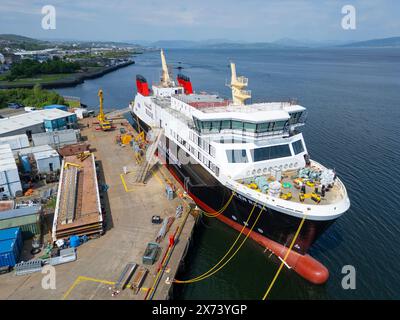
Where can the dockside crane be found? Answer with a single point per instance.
(104, 123)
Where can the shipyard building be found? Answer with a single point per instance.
(10, 183)
(42, 159)
(47, 120)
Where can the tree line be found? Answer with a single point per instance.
(36, 97)
(28, 68)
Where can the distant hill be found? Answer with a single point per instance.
(14, 38)
(174, 44)
(376, 43)
(210, 44)
(184, 44)
(255, 45)
(20, 42)
(228, 44)
(25, 43)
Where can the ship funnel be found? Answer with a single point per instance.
(185, 82)
(142, 85)
(239, 95)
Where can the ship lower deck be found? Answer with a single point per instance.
(288, 183)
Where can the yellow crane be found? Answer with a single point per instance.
(67, 164)
(104, 123)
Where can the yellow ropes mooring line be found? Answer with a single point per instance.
(210, 272)
(217, 213)
(284, 259)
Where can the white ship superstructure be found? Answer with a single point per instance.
(255, 151)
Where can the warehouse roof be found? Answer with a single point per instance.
(30, 119)
(35, 149)
(7, 161)
(40, 152)
(46, 154)
(20, 212)
(16, 142)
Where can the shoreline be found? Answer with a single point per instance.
(73, 81)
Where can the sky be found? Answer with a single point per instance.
(243, 20)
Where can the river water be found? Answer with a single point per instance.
(353, 102)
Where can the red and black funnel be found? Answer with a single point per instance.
(184, 81)
(142, 85)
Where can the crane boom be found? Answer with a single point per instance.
(101, 112)
(103, 121)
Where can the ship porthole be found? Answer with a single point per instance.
(286, 166)
(265, 170)
(270, 169)
(258, 171)
(253, 172)
(260, 230)
(296, 164)
(234, 218)
(291, 165)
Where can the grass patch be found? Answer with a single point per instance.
(51, 204)
(73, 103)
(41, 78)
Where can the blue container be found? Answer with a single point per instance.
(169, 192)
(9, 253)
(12, 234)
(26, 165)
(56, 106)
(74, 241)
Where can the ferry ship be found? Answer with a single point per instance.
(231, 157)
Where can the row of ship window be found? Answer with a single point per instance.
(264, 153)
(219, 125)
(201, 143)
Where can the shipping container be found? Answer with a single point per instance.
(47, 161)
(10, 183)
(26, 164)
(12, 234)
(9, 253)
(30, 230)
(56, 138)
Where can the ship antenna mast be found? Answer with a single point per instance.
(238, 85)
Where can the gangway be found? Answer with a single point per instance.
(148, 162)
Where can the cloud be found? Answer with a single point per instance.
(251, 20)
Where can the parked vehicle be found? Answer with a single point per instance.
(5, 269)
(14, 105)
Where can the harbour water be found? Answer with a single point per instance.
(352, 97)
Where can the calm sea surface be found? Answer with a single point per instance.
(353, 102)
